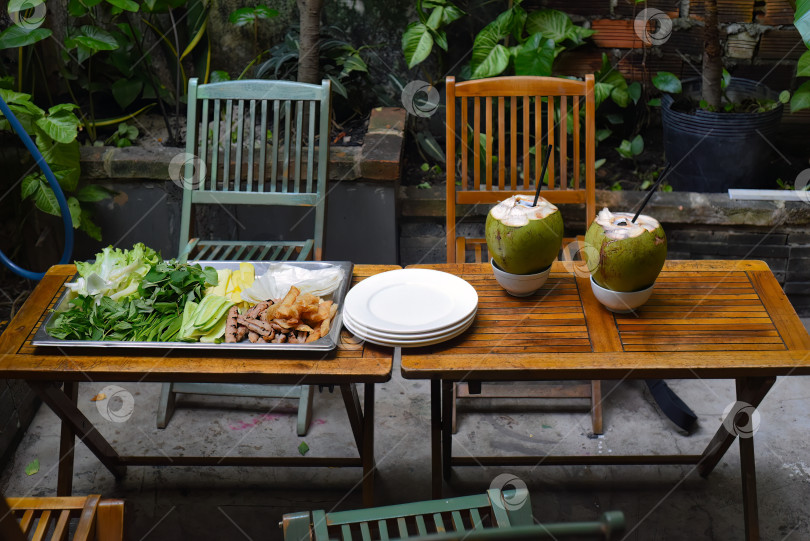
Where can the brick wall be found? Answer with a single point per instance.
(759, 40)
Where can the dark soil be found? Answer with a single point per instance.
(349, 133)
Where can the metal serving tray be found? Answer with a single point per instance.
(326, 343)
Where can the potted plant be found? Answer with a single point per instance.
(719, 130)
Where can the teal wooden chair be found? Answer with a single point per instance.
(485, 517)
(249, 146)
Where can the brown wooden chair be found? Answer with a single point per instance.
(39, 519)
(521, 115)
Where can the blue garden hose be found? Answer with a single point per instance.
(57, 190)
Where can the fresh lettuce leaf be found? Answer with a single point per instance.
(115, 273)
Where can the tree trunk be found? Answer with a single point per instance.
(308, 55)
(712, 57)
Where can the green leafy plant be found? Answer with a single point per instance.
(632, 148)
(124, 136)
(341, 62)
(539, 37)
(671, 84)
(251, 16)
(54, 132)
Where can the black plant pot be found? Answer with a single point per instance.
(712, 152)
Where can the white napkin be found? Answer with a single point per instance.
(278, 279)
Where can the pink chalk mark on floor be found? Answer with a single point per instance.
(319, 421)
(242, 425)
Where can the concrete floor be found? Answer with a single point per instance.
(660, 503)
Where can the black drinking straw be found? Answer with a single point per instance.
(549, 150)
(651, 191)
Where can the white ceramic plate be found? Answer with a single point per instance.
(406, 343)
(411, 301)
(391, 337)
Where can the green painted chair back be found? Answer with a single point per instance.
(256, 142)
(494, 516)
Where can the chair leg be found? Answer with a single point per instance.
(454, 424)
(166, 405)
(596, 406)
(305, 409)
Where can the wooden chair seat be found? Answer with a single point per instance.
(90, 518)
(495, 515)
(237, 250)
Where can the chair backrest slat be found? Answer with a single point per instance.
(214, 147)
(226, 162)
(458, 523)
(382, 526)
(299, 132)
(251, 145)
(346, 532)
(576, 141)
(26, 521)
(563, 142)
(464, 135)
(550, 121)
(237, 166)
(556, 107)
(475, 519)
(513, 129)
(477, 144)
(439, 523)
(262, 146)
(420, 525)
(311, 146)
(202, 138)
(489, 136)
(402, 527)
(287, 143)
(501, 143)
(527, 167)
(60, 530)
(365, 531)
(43, 524)
(276, 142)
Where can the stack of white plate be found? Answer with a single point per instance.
(410, 308)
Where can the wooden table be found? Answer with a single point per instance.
(45, 368)
(706, 319)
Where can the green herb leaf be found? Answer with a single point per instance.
(32, 467)
(303, 448)
(667, 82)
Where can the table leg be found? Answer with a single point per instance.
(436, 437)
(750, 391)
(65, 408)
(749, 483)
(352, 402)
(369, 466)
(447, 432)
(67, 443)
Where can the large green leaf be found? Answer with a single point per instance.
(601, 92)
(667, 82)
(17, 36)
(95, 39)
(60, 155)
(126, 90)
(68, 178)
(416, 43)
(62, 126)
(44, 198)
(88, 226)
(75, 211)
(535, 56)
(802, 20)
(124, 5)
(486, 43)
(801, 98)
(803, 67)
(494, 64)
(29, 185)
(551, 23)
(450, 14)
(92, 193)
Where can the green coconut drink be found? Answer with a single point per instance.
(622, 255)
(521, 238)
